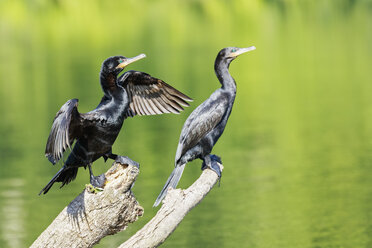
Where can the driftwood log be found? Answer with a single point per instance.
(176, 205)
(92, 216)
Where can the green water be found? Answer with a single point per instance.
(297, 149)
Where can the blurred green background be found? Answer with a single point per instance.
(297, 149)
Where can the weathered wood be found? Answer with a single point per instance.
(92, 216)
(175, 206)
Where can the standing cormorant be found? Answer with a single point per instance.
(207, 122)
(134, 93)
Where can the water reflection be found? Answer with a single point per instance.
(296, 150)
(12, 213)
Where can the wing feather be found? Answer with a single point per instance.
(175, 97)
(154, 107)
(151, 96)
(137, 106)
(200, 122)
(143, 107)
(161, 105)
(63, 131)
(133, 106)
(172, 106)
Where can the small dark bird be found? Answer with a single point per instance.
(133, 93)
(207, 122)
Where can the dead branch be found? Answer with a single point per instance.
(175, 206)
(92, 216)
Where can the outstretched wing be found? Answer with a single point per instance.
(201, 121)
(64, 131)
(151, 96)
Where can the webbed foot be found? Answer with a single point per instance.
(98, 181)
(211, 162)
(126, 160)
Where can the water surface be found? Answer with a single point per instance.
(297, 149)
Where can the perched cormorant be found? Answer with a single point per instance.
(207, 122)
(133, 93)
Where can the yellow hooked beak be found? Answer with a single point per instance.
(130, 60)
(242, 50)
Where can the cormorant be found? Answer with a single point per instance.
(133, 93)
(207, 122)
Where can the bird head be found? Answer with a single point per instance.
(116, 64)
(228, 54)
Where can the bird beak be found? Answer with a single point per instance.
(242, 50)
(131, 60)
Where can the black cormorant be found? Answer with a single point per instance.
(133, 93)
(207, 122)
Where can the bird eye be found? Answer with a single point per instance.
(233, 50)
(121, 60)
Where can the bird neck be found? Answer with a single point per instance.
(108, 83)
(221, 67)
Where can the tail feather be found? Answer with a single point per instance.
(64, 175)
(172, 181)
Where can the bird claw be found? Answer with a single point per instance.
(105, 158)
(126, 160)
(212, 163)
(98, 181)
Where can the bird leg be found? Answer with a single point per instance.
(96, 181)
(210, 162)
(122, 159)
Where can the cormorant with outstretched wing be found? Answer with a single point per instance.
(134, 93)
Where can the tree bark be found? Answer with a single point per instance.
(92, 216)
(176, 205)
